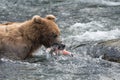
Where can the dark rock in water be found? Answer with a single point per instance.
(111, 50)
(107, 50)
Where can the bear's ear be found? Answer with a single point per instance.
(50, 17)
(37, 19)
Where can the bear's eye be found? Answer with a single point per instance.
(54, 35)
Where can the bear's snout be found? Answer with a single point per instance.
(59, 46)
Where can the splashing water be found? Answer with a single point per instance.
(80, 21)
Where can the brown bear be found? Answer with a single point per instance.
(18, 40)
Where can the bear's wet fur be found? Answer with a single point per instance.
(18, 40)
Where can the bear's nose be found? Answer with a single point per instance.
(60, 42)
(61, 46)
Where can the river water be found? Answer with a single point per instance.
(81, 22)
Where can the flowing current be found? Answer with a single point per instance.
(80, 21)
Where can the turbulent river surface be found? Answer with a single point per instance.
(81, 22)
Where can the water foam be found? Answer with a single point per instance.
(100, 35)
(82, 27)
(102, 2)
(92, 31)
(19, 62)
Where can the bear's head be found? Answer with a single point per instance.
(48, 30)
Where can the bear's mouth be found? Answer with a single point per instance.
(58, 46)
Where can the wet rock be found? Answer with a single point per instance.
(111, 50)
(107, 50)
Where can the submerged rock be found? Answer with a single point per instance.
(107, 50)
(111, 50)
